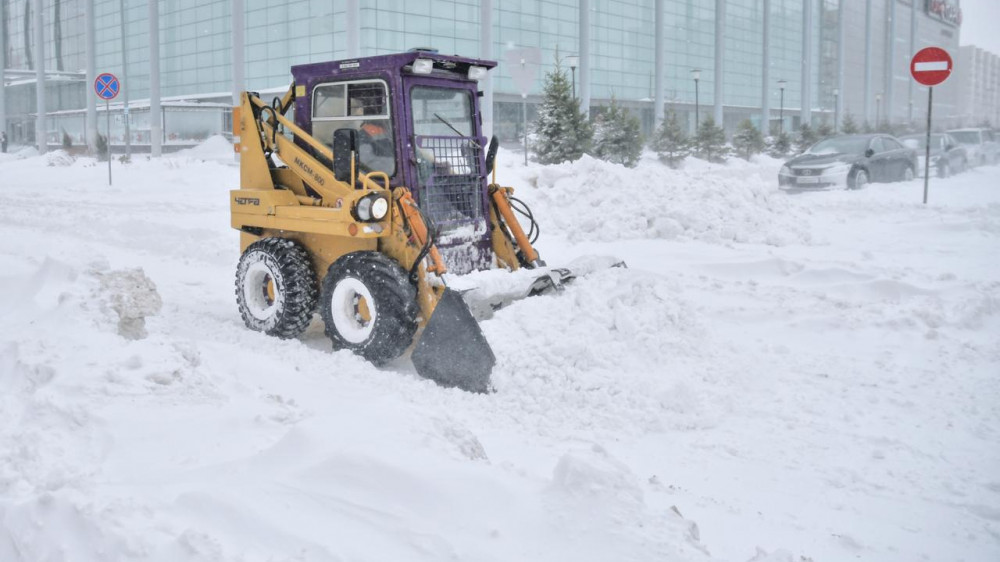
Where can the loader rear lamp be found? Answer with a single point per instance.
(371, 207)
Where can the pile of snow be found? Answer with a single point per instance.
(595, 200)
(216, 148)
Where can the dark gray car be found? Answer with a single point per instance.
(948, 156)
(850, 161)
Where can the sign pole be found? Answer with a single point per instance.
(927, 156)
(107, 145)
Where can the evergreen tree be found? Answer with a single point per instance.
(562, 129)
(711, 141)
(616, 135)
(779, 145)
(748, 140)
(807, 137)
(867, 128)
(849, 127)
(671, 143)
(824, 131)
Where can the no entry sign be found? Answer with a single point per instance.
(931, 66)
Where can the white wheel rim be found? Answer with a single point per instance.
(344, 305)
(862, 179)
(255, 291)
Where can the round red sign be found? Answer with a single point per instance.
(931, 66)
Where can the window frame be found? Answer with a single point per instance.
(347, 100)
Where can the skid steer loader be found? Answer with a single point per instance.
(359, 188)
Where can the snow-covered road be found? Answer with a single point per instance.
(775, 377)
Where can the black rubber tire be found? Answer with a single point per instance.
(287, 265)
(852, 179)
(394, 308)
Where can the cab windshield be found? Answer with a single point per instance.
(441, 112)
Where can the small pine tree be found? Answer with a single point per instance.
(671, 143)
(67, 142)
(616, 136)
(562, 129)
(779, 145)
(711, 141)
(748, 140)
(101, 144)
(824, 131)
(806, 138)
(849, 127)
(867, 128)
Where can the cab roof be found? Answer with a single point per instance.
(450, 66)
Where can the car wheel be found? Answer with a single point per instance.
(944, 170)
(858, 179)
(908, 173)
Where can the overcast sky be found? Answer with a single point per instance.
(981, 24)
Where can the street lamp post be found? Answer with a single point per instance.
(878, 111)
(836, 110)
(696, 74)
(573, 62)
(781, 112)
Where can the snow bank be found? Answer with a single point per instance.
(216, 148)
(594, 200)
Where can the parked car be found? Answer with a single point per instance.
(982, 146)
(850, 161)
(948, 156)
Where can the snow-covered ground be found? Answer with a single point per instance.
(779, 377)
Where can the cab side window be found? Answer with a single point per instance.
(876, 145)
(891, 144)
(363, 106)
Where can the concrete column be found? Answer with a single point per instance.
(239, 49)
(658, 62)
(765, 71)
(839, 100)
(124, 82)
(585, 57)
(3, 66)
(805, 113)
(720, 58)
(40, 111)
(486, 52)
(91, 48)
(155, 115)
(890, 61)
(352, 19)
(911, 84)
(867, 105)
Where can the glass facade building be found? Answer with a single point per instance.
(829, 52)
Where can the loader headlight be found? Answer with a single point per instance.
(423, 66)
(372, 207)
(477, 73)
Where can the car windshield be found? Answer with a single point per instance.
(920, 141)
(842, 145)
(966, 137)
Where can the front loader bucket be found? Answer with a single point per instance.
(453, 350)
